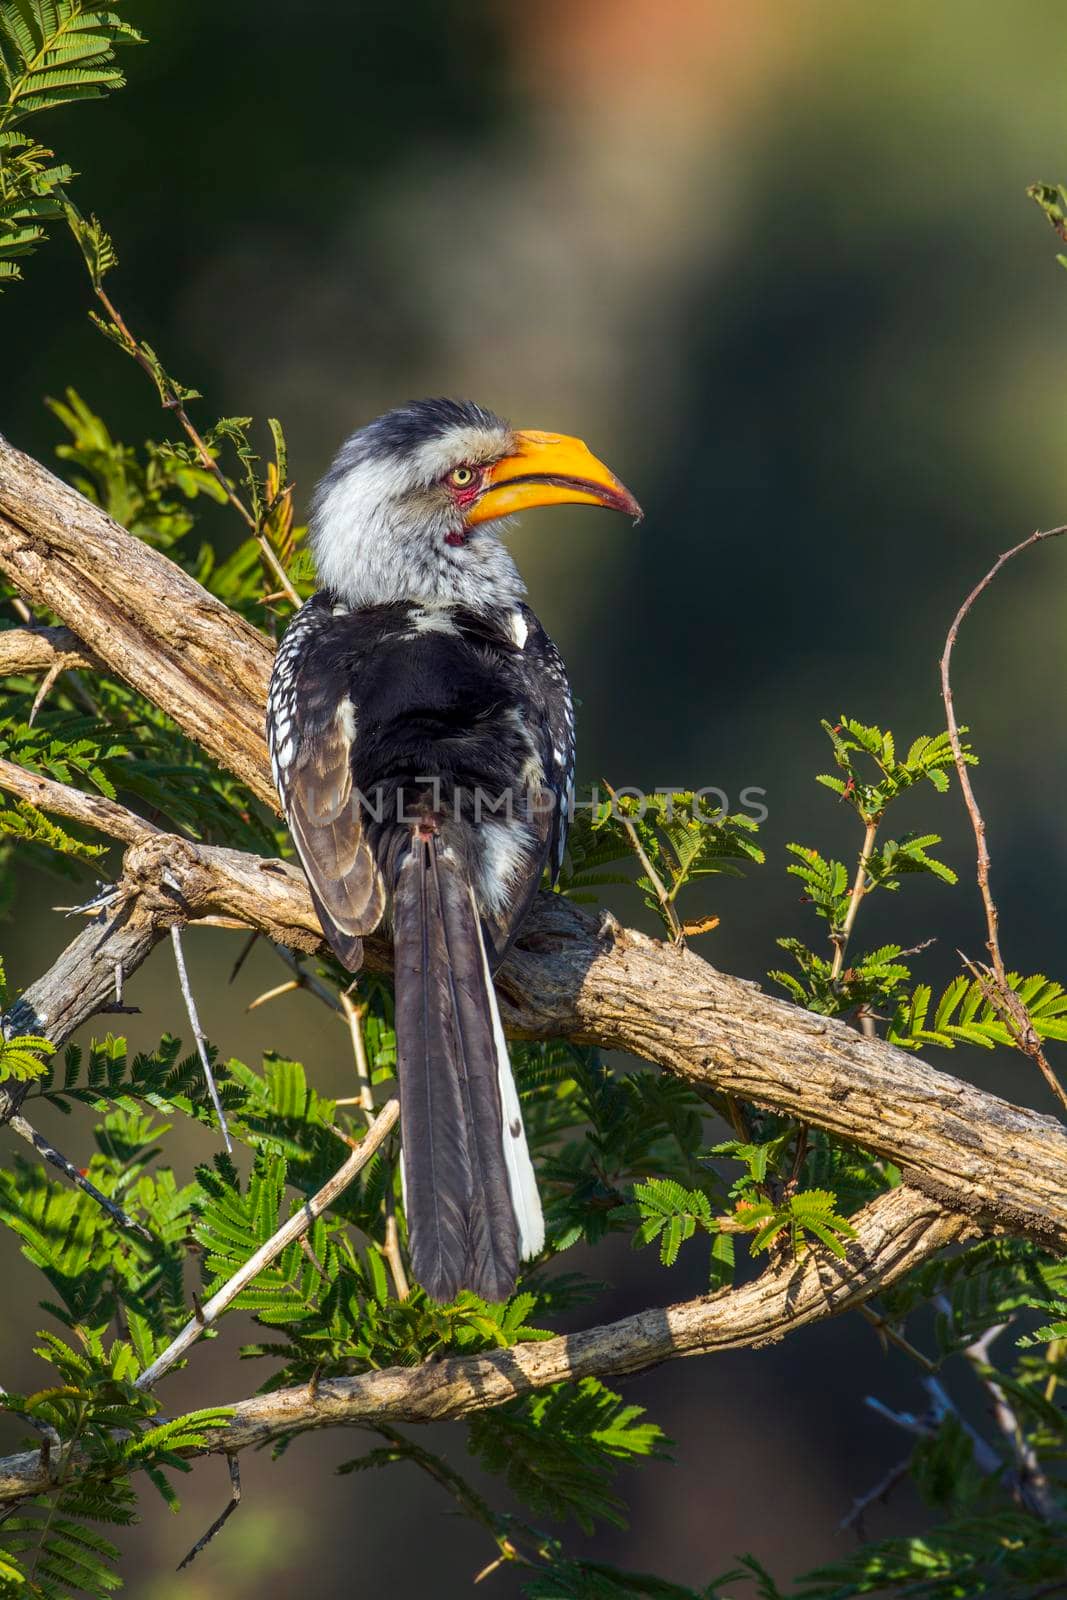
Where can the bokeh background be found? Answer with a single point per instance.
(775, 262)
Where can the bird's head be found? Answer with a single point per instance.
(412, 505)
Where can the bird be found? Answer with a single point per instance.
(421, 733)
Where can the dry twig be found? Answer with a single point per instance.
(194, 1023)
(297, 1225)
(998, 990)
(57, 1159)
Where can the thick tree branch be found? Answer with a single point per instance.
(601, 984)
(24, 650)
(971, 1161)
(141, 615)
(895, 1233)
(93, 810)
(616, 988)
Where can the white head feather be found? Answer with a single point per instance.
(382, 515)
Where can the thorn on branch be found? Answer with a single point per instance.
(245, 952)
(274, 994)
(308, 980)
(221, 1520)
(306, 1247)
(44, 690)
(106, 895)
(194, 1023)
(878, 1494)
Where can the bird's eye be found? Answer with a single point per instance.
(461, 477)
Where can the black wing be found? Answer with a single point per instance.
(550, 697)
(311, 731)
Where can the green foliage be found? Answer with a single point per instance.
(191, 467)
(873, 777)
(1052, 198)
(50, 1549)
(327, 1305)
(981, 1287)
(964, 1014)
(617, 1151)
(675, 833)
(673, 1214)
(769, 1200)
(22, 821)
(871, 980)
(929, 757)
(151, 495)
(600, 1133)
(155, 493)
(124, 749)
(94, 1280)
(810, 1213)
(23, 1056)
(595, 1580)
(232, 1226)
(829, 884)
(51, 52)
(879, 982)
(1005, 1555)
(558, 1450)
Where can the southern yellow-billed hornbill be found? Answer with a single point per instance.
(422, 737)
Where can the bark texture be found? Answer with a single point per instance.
(972, 1161)
(895, 1233)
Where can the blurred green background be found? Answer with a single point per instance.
(776, 264)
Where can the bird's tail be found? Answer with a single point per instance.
(470, 1194)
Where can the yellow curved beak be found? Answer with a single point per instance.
(549, 469)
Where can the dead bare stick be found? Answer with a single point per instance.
(56, 1158)
(198, 1032)
(308, 980)
(220, 1521)
(925, 1426)
(391, 1251)
(354, 1017)
(44, 690)
(297, 1225)
(1011, 1009)
(887, 1334)
(92, 810)
(243, 955)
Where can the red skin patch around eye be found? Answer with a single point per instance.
(463, 498)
